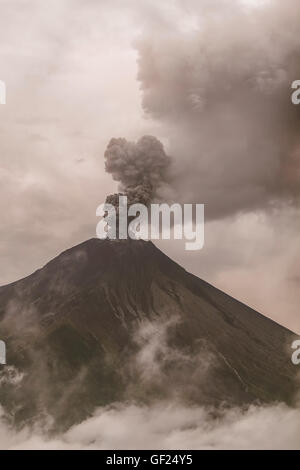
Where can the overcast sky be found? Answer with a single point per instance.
(210, 79)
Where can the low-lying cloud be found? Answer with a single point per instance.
(168, 425)
(168, 419)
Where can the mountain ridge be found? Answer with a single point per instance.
(94, 239)
(79, 326)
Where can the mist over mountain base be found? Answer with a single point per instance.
(167, 425)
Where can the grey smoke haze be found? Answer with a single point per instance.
(71, 85)
(221, 91)
(141, 168)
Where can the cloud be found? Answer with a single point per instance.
(167, 420)
(63, 85)
(215, 85)
(221, 93)
(141, 168)
(168, 425)
(11, 376)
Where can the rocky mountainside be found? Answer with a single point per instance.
(109, 321)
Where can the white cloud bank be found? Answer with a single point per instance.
(170, 426)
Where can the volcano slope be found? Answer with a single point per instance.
(109, 321)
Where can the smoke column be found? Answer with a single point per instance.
(141, 168)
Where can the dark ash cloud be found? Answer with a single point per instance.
(221, 92)
(141, 168)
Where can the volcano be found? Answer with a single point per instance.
(117, 320)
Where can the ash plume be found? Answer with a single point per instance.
(142, 168)
(221, 91)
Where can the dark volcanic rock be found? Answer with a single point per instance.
(118, 320)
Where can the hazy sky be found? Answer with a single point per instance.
(211, 79)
